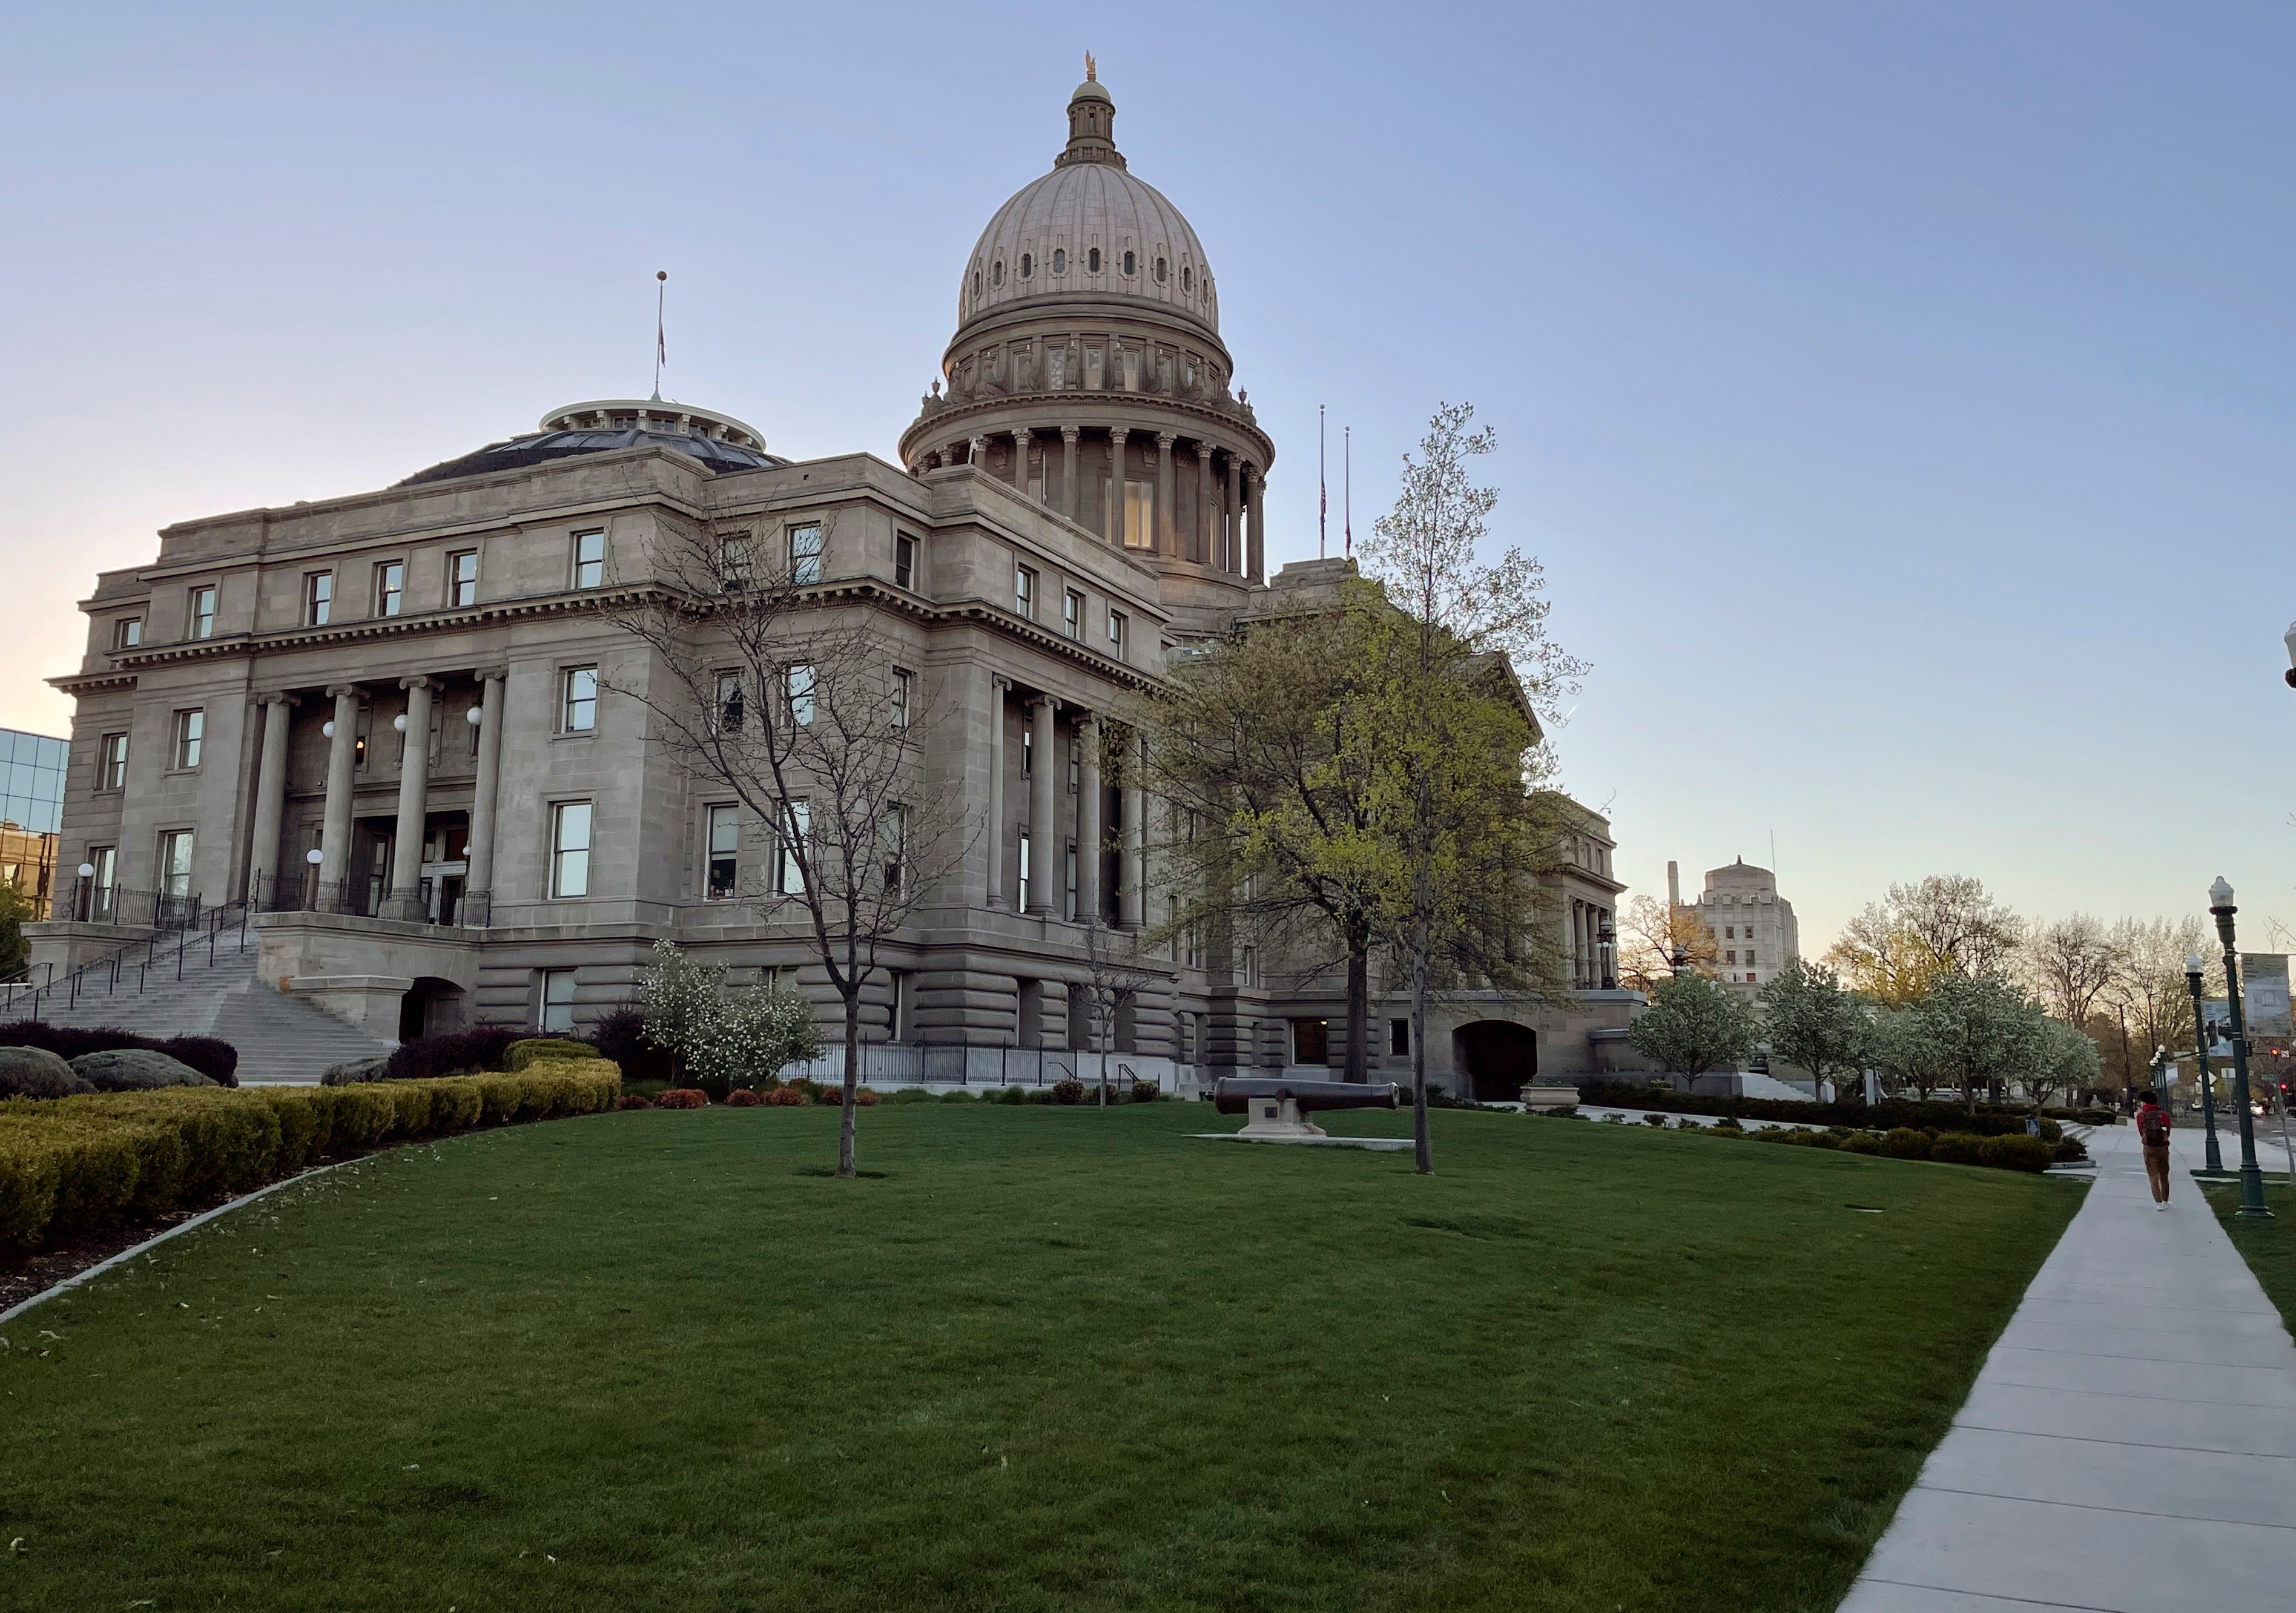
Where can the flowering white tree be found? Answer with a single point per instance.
(722, 1041)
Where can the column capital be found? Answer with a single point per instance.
(979, 447)
(1035, 700)
(336, 692)
(1204, 451)
(1165, 440)
(1119, 433)
(1069, 434)
(484, 673)
(1087, 725)
(278, 697)
(421, 680)
(1024, 434)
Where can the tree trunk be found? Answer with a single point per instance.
(1358, 1066)
(852, 1077)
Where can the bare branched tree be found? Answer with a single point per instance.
(759, 686)
(1115, 976)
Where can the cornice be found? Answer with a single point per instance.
(1102, 410)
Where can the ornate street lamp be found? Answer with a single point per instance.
(2251, 1180)
(1607, 936)
(2201, 1049)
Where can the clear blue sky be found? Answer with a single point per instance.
(1899, 395)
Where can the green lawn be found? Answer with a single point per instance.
(1051, 1359)
(2270, 1247)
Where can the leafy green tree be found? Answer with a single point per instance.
(1811, 1020)
(1974, 1031)
(1695, 1025)
(16, 911)
(1897, 949)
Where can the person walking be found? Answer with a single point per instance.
(2152, 1131)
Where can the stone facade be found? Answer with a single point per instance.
(1752, 924)
(403, 728)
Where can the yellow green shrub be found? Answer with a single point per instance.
(72, 1166)
(549, 1050)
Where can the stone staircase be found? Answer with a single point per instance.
(283, 1041)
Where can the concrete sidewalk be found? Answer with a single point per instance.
(2130, 1443)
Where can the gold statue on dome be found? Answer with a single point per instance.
(1090, 69)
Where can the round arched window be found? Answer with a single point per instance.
(1028, 265)
(996, 272)
(976, 283)
(1092, 261)
(1187, 279)
(1060, 261)
(1128, 269)
(1159, 271)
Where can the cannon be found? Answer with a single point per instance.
(1277, 1108)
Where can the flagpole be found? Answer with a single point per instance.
(1323, 485)
(1348, 487)
(660, 335)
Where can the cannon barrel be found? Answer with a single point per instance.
(1233, 1095)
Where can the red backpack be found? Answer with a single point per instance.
(2151, 1127)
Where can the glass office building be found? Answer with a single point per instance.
(31, 812)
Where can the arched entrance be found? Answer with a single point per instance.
(1498, 1058)
(431, 1007)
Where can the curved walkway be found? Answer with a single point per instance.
(2130, 1443)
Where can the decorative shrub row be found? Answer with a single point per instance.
(218, 1061)
(1990, 1119)
(2010, 1151)
(74, 1166)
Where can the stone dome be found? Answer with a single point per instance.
(719, 441)
(1089, 231)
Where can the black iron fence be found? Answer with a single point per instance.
(94, 904)
(365, 897)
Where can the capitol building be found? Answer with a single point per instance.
(397, 725)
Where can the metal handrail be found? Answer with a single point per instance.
(110, 969)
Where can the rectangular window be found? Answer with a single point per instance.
(570, 849)
(904, 560)
(897, 1020)
(127, 633)
(735, 566)
(1732, 956)
(805, 552)
(1140, 515)
(1072, 613)
(730, 703)
(724, 852)
(1399, 1038)
(112, 762)
(1076, 765)
(390, 587)
(1117, 624)
(557, 999)
(318, 598)
(1024, 592)
(190, 729)
(803, 681)
(1729, 932)
(893, 835)
(1021, 862)
(175, 864)
(902, 683)
(589, 559)
(797, 828)
(105, 861)
(1749, 958)
(1068, 887)
(1027, 753)
(581, 701)
(201, 622)
(461, 578)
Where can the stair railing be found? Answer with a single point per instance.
(203, 925)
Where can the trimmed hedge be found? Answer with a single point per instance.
(216, 1060)
(522, 1054)
(73, 1167)
(1991, 1119)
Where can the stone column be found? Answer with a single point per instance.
(1164, 522)
(477, 884)
(1022, 437)
(1131, 907)
(1044, 827)
(270, 799)
(335, 823)
(414, 792)
(1117, 436)
(977, 453)
(1207, 507)
(1069, 435)
(1087, 819)
(1255, 489)
(996, 688)
(1232, 518)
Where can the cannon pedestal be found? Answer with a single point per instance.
(1279, 1120)
(1277, 1110)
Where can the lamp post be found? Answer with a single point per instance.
(2251, 1180)
(1606, 937)
(2201, 1052)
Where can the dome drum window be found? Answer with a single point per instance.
(1128, 268)
(1060, 261)
(1159, 271)
(1092, 261)
(1187, 278)
(1028, 265)
(996, 272)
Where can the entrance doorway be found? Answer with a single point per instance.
(1498, 1057)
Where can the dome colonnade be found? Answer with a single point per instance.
(1088, 371)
